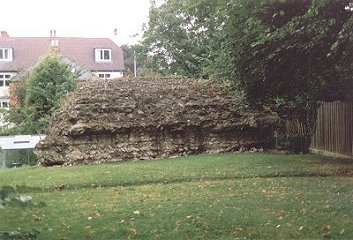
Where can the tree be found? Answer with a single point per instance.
(142, 61)
(128, 57)
(42, 91)
(176, 39)
(289, 54)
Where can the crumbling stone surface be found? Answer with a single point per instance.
(115, 120)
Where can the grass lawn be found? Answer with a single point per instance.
(224, 196)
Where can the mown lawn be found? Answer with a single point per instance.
(224, 196)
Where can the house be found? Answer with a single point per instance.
(99, 56)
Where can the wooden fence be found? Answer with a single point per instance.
(334, 130)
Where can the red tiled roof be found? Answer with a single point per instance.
(28, 50)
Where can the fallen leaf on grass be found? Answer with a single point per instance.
(37, 218)
(146, 197)
(237, 229)
(117, 196)
(134, 231)
(327, 231)
(327, 228)
(177, 225)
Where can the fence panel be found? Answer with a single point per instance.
(334, 129)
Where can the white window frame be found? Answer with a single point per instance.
(104, 75)
(4, 104)
(6, 56)
(99, 54)
(5, 80)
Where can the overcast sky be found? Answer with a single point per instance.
(74, 18)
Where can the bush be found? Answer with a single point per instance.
(40, 94)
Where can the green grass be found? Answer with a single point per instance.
(225, 196)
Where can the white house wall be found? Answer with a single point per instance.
(4, 93)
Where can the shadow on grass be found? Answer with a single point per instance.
(321, 172)
(17, 235)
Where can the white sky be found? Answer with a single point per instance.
(75, 18)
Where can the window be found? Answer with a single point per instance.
(4, 104)
(103, 55)
(104, 75)
(5, 80)
(5, 54)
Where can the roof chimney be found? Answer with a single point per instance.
(54, 43)
(4, 34)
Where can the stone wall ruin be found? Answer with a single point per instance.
(116, 120)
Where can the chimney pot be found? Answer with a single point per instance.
(4, 34)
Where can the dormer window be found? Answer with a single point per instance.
(6, 54)
(103, 55)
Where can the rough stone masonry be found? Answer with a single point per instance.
(116, 120)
